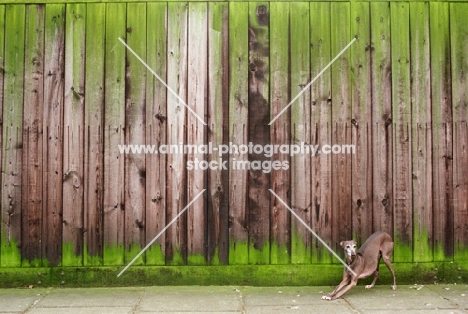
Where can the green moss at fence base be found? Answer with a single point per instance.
(252, 275)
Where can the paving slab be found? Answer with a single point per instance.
(405, 298)
(184, 299)
(19, 300)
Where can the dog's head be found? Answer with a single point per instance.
(349, 248)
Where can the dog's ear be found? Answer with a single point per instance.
(341, 243)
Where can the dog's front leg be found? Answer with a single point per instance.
(344, 282)
(352, 284)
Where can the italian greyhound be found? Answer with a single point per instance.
(364, 262)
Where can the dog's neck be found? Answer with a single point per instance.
(350, 259)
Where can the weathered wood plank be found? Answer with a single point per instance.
(280, 133)
(238, 123)
(218, 131)
(176, 235)
(135, 114)
(382, 148)
(361, 122)
(32, 136)
(341, 219)
(197, 94)
(259, 132)
(54, 70)
(2, 80)
(12, 142)
(401, 107)
(156, 125)
(73, 141)
(94, 135)
(459, 62)
(320, 131)
(442, 150)
(114, 113)
(301, 238)
(421, 134)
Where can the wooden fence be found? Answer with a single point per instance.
(71, 93)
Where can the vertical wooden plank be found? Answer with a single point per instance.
(258, 131)
(238, 123)
(361, 121)
(301, 238)
(381, 85)
(54, 70)
(32, 136)
(442, 135)
(12, 141)
(280, 133)
(94, 131)
(176, 235)
(197, 93)
(218, 132)
(341, 219)
(421, 132)
(156, 124)
(2, 80)
(459, 61)
(135, 112)
(73, 141)
(114, 113)
(401, 107)
(320, 132)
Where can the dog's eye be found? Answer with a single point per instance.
(354, 246)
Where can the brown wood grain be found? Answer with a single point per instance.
(382, 148)
(259, 131)
(32, 134)
(156, 132)
(73, 141)
(176, 235)
(114, 113)
(54, 69)
(341, 128)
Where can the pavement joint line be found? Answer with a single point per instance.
(313, 80)
(161, 80)
(161, 232)
(312, 231)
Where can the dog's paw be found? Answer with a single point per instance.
(369, 286)
(326, 297)
(394, 287)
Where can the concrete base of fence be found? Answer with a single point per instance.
(248, 275)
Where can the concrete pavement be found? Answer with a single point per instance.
(228, 299)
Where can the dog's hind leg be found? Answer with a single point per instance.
(376, 276)
(387, 249)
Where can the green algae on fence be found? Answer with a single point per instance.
(11, 143)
